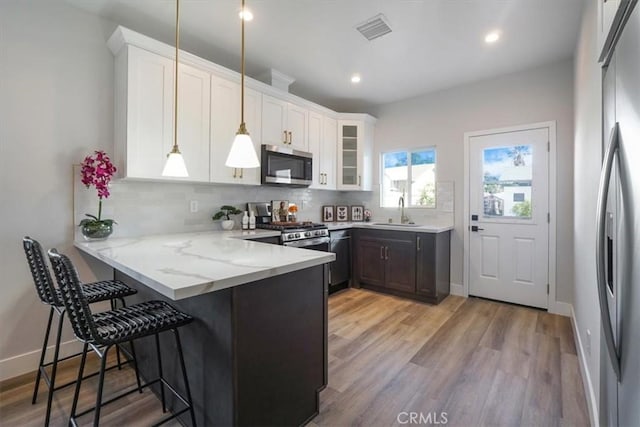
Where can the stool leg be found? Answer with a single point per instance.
(103, 365)
(76, 393)
(113, 307)
(42, 356)
(164, 403)
(135, 365)
(184, 375)
(54, 368)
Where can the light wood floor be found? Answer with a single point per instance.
(482, 363)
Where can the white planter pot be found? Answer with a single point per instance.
(228, 224)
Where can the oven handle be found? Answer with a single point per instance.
(308, 242)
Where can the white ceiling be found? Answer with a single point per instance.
(435, 44)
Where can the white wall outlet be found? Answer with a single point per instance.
(193, 206)
(587, 343)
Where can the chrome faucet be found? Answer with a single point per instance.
(404, 219)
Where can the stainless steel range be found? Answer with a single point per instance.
(307, 235)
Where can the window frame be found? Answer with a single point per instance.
(408, 200)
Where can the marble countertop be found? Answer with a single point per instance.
(187, 264)
(431, 227)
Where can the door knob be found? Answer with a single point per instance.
(475, 228)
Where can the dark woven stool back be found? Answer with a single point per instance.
(40, 272)
(75, 302)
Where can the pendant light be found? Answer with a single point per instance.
(175, 167)
(242, 153)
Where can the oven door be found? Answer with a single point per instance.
(285, 166)
(318, 244)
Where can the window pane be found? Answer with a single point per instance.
(394, 177)
(423, 178)
(508, 174)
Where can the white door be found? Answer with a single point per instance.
(509, 208)
(274, 121)
(297, 119)
(328, 152)
(315, 141)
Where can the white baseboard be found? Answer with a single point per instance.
(588, 385)
(456, 289)
(28, 362)
(561, 308)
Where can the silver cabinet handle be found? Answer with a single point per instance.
(235, 172)
(241, 172)
(603, 193)
(381, 252)
(359, 180)
(418, 244)
(285, 137)
(386, 252)
(290, 137)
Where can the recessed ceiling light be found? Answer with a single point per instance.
(246, 14)
(492, 37)
(355, 78)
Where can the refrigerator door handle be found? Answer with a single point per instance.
(603, 193)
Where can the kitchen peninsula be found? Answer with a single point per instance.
(257, 352)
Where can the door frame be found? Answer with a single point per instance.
(552, 304)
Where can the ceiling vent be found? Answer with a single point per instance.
(374, 27)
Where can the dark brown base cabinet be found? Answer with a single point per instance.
(407, 264)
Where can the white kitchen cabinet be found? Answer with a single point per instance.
(225, 120)
(610, 13)
(144, 115)
(323, 134)
(355, 154)
(284, 123)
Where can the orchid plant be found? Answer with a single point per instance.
(97, 170)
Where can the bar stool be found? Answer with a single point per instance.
(107, 290)
(101, 331)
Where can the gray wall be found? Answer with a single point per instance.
(442, 118)
(588, 159)
(56, 105)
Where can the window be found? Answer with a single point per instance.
(408, 173)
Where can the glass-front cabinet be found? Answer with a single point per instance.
(354, 155)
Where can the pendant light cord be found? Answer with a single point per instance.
(242, 69)
(175, 92)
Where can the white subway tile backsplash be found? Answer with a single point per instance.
(144, 207)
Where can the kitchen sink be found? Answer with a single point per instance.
(395, 224)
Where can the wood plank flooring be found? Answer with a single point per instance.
(483, 363)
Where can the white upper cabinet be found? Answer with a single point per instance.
(323, 133)
(144, 115)
(284, 123)
(225, 120)
(610, 13)
(355, 153)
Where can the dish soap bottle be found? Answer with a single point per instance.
(252, 221)
(245, 221)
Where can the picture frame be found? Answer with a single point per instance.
(279, 210)
(328, 214)
(357, 213)
(342, 213)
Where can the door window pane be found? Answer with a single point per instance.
(507, 181)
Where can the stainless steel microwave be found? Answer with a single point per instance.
(286, 166)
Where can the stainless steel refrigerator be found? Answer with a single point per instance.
(618, 235)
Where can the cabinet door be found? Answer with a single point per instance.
(328, 152)
(297, 119)
(400, 265)
(274, 116)
(225, 119)
(349, 155)
(149, 110)
(340, 269)
(194, 96)
(426, 265)
(315, 142)
(370, 261)
(253, 120)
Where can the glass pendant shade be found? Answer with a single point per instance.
(175, 167)
(242, 153)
